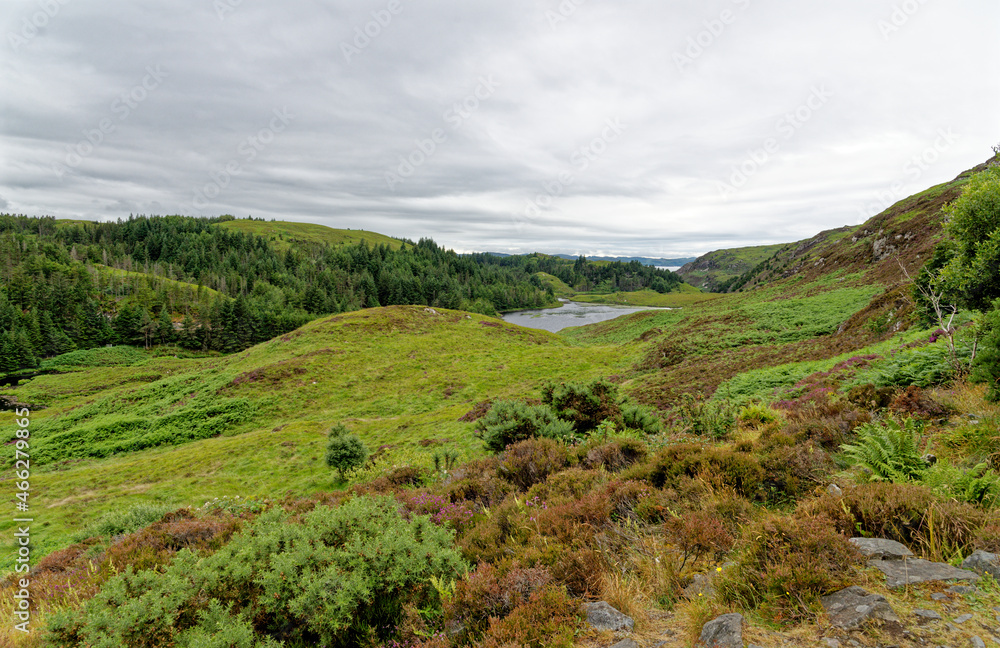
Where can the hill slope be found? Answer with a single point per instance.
(904, 233)
(179, 431)
(288, 233)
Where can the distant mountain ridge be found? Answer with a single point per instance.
(651, 261)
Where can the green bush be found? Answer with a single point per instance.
(976, 485)
(888, 451)
(987, 365)
(508, 422)
(707, 418)
(584, 405)
(340, 578)
(756, 414)
(345, 451)
(120, 521)
(637, 417)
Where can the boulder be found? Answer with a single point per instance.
(701, 585)
(725, 631)
(928, 614)
(881, 548)
(626, 643)
(899, 573)
(851, 607)
(983, 562)
(602, 616)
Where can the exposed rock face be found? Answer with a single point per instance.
(626, 643)
(899, 573)
(602, 616)
(983, 562)
(851, 607)
(723, 632)
(881, 548)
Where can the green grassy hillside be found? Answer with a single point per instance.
(178, 431)
(288, 233)
(714, 268)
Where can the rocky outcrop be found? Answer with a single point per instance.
(983, 562)
(853, 606)
(724, 632)
(601, 616)
(880, 548)
(899, 573)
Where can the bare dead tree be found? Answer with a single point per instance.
(944, 315)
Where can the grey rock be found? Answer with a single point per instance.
(983, 562)
(626, 643)
(963, 618)
(899, 573)
(725, 631)
(831, 642)
(938, 596)
(602, 616)
(962, 589)
(701, 585)
(835, 490)
(978, 642)
(928, 614)
(851, 607)
(881, 548)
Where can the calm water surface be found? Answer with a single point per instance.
(570, 314)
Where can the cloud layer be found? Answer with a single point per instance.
(574, 126)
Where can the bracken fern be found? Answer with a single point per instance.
(888, 450)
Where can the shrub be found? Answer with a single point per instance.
(707, 418)
(489, 592)
(345, 451)
(530, 462)
(157, 543)
(914, 401)
(616, 455)
(637, 500)
(548, 619)
(586, 406)
(120, 521)
(756, 415)
(698, 535)
(987, 364)
(871, 397)
(718, 467)
(976, 485)
(573, 483)
(907, 513)
(887, 451)
(511, 421)
(792, 470)
(785, 564)
(344, 574)
(637, 417)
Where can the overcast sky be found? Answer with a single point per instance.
(652, 127)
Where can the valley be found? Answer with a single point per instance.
(636, 458)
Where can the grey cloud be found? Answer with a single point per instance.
(654, 190)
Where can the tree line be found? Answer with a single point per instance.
(175, 279)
